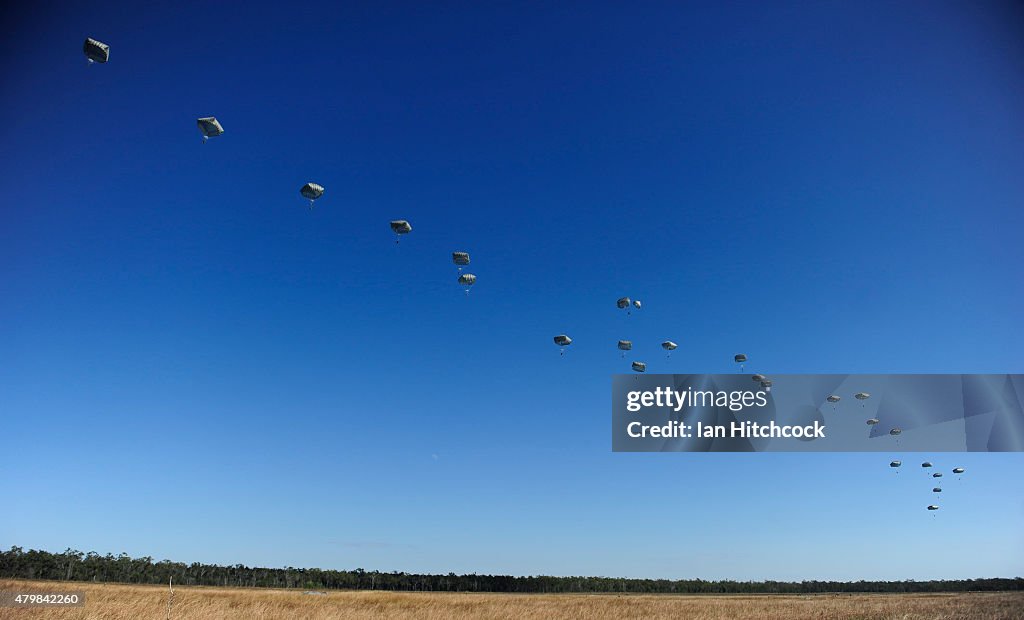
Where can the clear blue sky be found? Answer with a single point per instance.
(195, 366)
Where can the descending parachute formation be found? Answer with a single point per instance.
(210, 127)
(312, 191)
(96, 51)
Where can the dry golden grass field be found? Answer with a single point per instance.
(117, 602)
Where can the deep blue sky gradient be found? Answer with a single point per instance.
(195, 366)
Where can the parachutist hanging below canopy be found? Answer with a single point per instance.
(862, 396)
(461, 259)
(400, 227)
(740, 359)
(467, 280)
(562, 341)
(96, 51)
(625, 345)
(669, 346)
(210, 127)
(311, 191)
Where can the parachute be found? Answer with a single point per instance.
(467, 280)
(894, 432)
(96, 51)
(937, 475)
(767, 384)
(210, 127)
(872, 421)
(461, 259)
(639, 367)
(958, 470)
(933, 507)
(926, 464)
(562, 341)
(312, 191)
(625, 345)
(936, 489)
(669, 346)
(623, 302)
(758, 378)
(740, 359)
(862, 396)
(833, 398)
(400, 227)
(895, 463)
(636, 304)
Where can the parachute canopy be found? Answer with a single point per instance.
(210, 126)
(936, 489)
(758, 378)
(312, 191)
(895, 432)
(937, 475)
(401, 227)
(622, 302)
(739, 358)
(625, 345)
(668, 345)
(96, 51)
(639, 366)
(872, 421)
(461, 258)
(767, 383)
(926, 464)
(895, 463)
(958, 470)
(467, 279)
(562, 340)
(862, 396)
(933, 507)
(636, 304)
(832, 398)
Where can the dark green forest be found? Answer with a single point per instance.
(72, 565)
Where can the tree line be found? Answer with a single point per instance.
(73, 565)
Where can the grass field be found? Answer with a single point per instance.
(116, 602)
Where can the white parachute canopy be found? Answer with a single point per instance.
(312, 191)
(636, 304)
(96, 51)
(210, 127)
